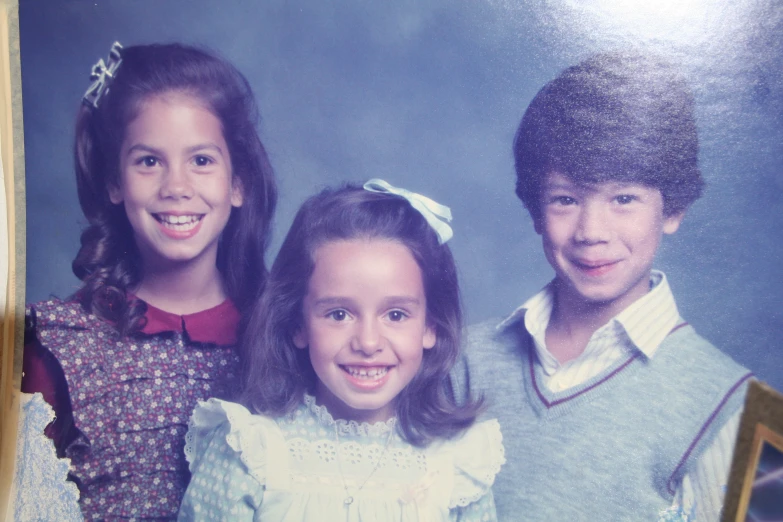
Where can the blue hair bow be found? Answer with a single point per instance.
(437, 215)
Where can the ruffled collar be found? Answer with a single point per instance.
(345, 427)
(216, 325)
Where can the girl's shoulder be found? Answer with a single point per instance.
(66, 329)
(220, 427)
(57, 313)
(476, 456)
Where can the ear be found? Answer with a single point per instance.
(237, 192)
(672, 223)
(115, 194)
(429, 339)
(300, 338)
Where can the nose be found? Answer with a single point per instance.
(368, 338)
(176, 183)
(593, 225)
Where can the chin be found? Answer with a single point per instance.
(598, 296)
(365, 406)
(371, 410)
(180, 255)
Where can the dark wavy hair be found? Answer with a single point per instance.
(108, 262)
(277, 374)
(614, 117)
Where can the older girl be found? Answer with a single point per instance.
(179, 194)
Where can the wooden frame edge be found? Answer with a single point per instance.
(12, 325)
(763, 406)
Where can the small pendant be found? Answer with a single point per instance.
(348, 500)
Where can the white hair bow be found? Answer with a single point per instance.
(102, 74)
(437, 215)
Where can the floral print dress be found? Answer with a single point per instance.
(128, 399)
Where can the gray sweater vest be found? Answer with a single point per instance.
(614, 448)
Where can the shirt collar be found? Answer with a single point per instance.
(217, 325)
(649, 319)
(646, 322)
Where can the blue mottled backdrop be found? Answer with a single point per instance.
(427, 94)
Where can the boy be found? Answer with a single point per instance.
(611, 406)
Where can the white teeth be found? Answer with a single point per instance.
(174, 220)
(179, 223)
(366, 373)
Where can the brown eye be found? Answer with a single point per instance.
(338, 315)
(148, 161)
(624, 199)
(562, 200)
(202, 161)
(397, 315)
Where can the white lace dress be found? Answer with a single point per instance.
(251, 467)
(40, 490)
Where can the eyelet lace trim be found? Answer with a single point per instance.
(242, 435)
(361, 429)
(480, 477)
(356, 454)
(475, 468)
(42, 489)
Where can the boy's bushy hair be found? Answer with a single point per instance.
(278, 374)
(614, 117)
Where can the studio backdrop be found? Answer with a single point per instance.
(428, 95)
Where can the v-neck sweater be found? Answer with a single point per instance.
(613, 447)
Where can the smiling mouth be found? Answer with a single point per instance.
(595, 268)
(183, 223)
(371, 373)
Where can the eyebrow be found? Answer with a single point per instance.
(391, 300)
(204, 146)
(590, 187)
(403, 300)
(141, 147)
(560, 186)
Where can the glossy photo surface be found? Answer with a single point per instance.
(428, 96)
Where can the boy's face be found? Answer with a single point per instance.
(601, 239)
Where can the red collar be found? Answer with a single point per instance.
(217, 325)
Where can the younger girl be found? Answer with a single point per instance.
(178, 192)
(347, 411)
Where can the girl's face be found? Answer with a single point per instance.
(176, 181)
(365, 325)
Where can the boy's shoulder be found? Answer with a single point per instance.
(485, 329)
(708, 383)
(496, 334)
(492, 346)
(508, 334)
(694, 352)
